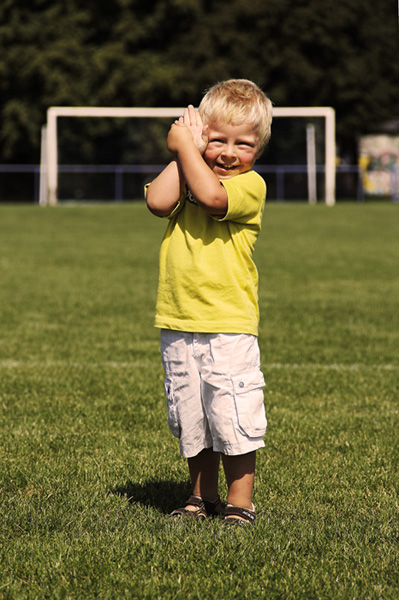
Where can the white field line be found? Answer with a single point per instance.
(332, 367)
(31, 364)
(16, 364)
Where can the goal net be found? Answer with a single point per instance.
(82, 147)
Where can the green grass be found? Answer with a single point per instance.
(88, 468)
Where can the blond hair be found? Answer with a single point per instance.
(236, 101)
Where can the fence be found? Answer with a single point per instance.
(281, 180)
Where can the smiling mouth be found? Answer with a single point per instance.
(226, 167)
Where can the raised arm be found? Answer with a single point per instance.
(164, 191)
(187, 140)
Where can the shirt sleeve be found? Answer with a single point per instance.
(176, 209)
(246, 195)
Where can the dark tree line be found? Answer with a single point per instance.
(340, 53)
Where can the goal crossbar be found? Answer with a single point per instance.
(50, 166)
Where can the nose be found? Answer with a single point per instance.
(229, 151)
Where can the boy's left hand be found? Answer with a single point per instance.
(193, 121)
(188, 127)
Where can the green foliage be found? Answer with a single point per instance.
(166, 53)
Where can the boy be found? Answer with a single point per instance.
(207, 305)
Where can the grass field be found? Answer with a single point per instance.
(88, 468)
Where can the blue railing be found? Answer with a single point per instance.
(119, 171)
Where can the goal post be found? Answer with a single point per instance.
(49, 196)
(328, 114)
(55, 112)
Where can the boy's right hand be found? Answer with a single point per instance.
(179, 137)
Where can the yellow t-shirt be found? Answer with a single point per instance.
(208, 282)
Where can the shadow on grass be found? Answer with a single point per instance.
(163, 495)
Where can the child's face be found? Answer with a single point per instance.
(231, 150)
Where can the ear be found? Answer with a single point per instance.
(259, 153)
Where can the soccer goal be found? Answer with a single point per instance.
(49, 155)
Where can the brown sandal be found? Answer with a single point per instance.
(235, 515)
(204, 509)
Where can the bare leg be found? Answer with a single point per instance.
(240, 475)
(204, 474)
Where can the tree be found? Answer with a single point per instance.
(340, 53)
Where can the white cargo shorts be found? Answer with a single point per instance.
(214, 391)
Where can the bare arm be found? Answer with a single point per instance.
(164, 191)
(187, 140)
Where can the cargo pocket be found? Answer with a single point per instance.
(248, 398)
(173, 420)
